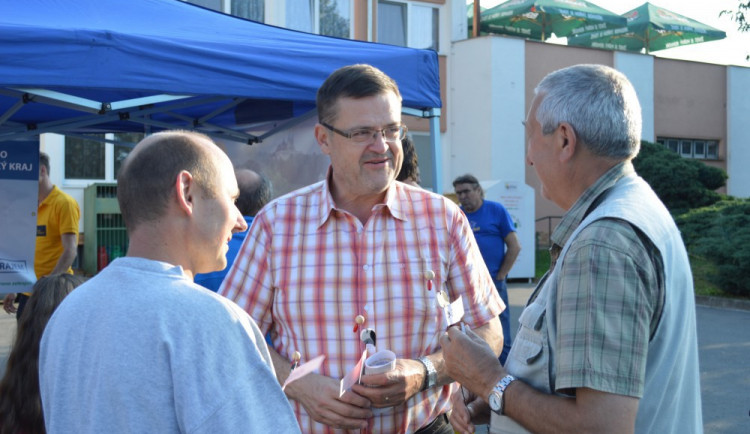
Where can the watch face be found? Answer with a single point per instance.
(495, 401)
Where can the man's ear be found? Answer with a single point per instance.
(322, 136)
(185, 190)
(567, 141)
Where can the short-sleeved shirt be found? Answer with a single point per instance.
(308, 268)
(58, 214)
(610, 271)
(491, 223)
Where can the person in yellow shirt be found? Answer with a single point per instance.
(56, 233)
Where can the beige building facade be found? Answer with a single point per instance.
(697, 109)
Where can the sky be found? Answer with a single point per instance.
(730, 51)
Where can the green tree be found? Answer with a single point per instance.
(680, 183)
(739, 17)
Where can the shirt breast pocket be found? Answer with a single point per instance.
(405, 286)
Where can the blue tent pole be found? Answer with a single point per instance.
(437, 160)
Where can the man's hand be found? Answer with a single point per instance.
(470, 361)
(394, 387)
(467, 410)
(319, 395)
(8, 301)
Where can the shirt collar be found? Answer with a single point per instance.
(580, 208)
(49, 197)
(395, 198)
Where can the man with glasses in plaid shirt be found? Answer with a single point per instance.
(360, 244)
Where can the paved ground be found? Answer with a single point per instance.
(724, 344)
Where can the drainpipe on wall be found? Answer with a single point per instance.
(475, 20)
(369, 20)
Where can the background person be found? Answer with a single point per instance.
(255, 192)
(358, 243)
(496, 236)
(608, 340)
(20, 402)
(56, 234)
(135, 348)
(409, 172)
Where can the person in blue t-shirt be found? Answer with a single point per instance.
(494, 230)
(255, 192)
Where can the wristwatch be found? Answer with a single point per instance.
(496, 399)
(430, 377)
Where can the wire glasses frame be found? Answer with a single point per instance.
(391, 133)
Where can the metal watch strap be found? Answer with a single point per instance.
(500, 390)
(430, 378)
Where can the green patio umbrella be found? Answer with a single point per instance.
(538, 19)
(470, 15)
(651, 28)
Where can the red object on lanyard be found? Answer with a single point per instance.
(429, 275)
(358, 321)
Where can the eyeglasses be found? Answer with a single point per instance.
(391, 133)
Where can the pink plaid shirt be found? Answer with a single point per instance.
(307, 269)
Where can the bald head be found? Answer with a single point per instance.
(255, 191)
(146, 181)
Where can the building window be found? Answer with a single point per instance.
(250, 9)
(423, 29)
(209, 4)
(124, 143)
(392, 23)
(335, 18)
(325, 17)
(98, 160)
(692, 148)
(84, 159)
(408, 24)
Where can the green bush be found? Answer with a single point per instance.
(542, 263)
(680, 183)
(720, 233)
(716, 228)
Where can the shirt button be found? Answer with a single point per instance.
(365, 267)
(429, 274)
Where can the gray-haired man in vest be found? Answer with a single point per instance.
(608, 340)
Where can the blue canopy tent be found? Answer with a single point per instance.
(81, 66)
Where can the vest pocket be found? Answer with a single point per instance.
(528, 344)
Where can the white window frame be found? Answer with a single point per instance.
(713, 145)
(410, 5)
(276, 13)
(710, 147)
(316, 17)
(109, 164)
(226, 6)
(686, 153)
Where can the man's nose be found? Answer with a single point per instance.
(379, 144)
(240, 225)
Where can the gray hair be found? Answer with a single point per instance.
(599, 103)
(469, 179)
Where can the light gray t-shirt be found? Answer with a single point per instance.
(141, 348)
